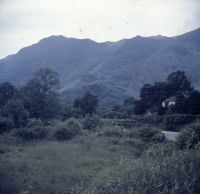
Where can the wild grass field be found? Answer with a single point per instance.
(105, 160)
(51, 166)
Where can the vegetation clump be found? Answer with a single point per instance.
(68, 129)
(5, 125)
(190, 136)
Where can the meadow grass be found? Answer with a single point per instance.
(46, 167)
(107, 160)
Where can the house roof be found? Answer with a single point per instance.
(170, 99)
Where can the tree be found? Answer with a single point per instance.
(140, 107)
(152, 95)
(87, 103)
(193, 103)
(181, 106)
(129, 101)
(7, 91)
(179, 82)
(15, 111)
(40, 94)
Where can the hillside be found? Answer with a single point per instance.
(112, 70)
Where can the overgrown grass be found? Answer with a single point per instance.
(106, 160)
(155, 172)
(45, 167)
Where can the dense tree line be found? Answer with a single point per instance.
(152, 96)
(176, 85)
(39, 98)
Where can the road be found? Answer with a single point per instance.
(170, 135)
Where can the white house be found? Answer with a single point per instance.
(171, 101)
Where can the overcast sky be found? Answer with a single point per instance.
(24, 22)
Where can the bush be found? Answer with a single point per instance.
(34, 122)
(5, 125)
(112, 115)
(15, 110)
(148, 133)
(70, 112)
(111, 131)
(190, 136)
(68, 129)
(175, 122)
(92, 122)
(35, 132)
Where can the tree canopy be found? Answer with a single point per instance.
(87, 103)
(176, 84)
(40, 94)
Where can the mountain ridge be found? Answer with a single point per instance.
(112, 70)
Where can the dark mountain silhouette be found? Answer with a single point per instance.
(112, 70)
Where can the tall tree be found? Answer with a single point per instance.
(40, 94)
(15, 111)
(179, 82)
(87, 103)
(152, 95)
(193, 103)
(7, 91)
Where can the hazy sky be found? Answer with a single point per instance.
(24, 22)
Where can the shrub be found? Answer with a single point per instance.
(111, 131)
(148, 133)
(35, 132)
(34, 122)
(70, 112)
(190, 136)
(15, 110)
(5, 125)
(92, 122)
(112, 115)
(175, 122)
(68, 129)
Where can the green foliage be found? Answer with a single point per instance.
(87, 103)
(148, 134)
(112, 131)
(15, 111)
(140, 107)
(33, 133)
(7, 92)
(6, 125)
(179, 82)
(112, 114)
(70, 111)
(92, 122)
(152, 96)
(129, 101)
(190, 136)
(176, 121)
(40, 96)
(189, 104)
(193, 103)
(34, 122)
(68, 129)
